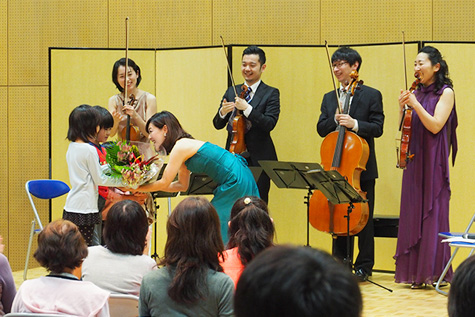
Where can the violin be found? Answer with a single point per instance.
(238, 144)
(347, 153)
(130, 132)
(403, 153)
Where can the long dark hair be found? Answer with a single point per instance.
(175, 130)
(442, 76)
(250, 229)
(193, 246)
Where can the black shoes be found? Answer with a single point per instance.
(361, 275)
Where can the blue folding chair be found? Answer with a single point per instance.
(42, 189)
(457, 245)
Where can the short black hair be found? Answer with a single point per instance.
(251, 50)
(125, 228)
(106, 119)
(297, 281)
(348, 54)
(83, 123)
(462, 288)
(115, 71)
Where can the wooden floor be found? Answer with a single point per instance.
(377, 301)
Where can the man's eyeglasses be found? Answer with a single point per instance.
(339, 64)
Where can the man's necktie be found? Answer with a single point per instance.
(247, 97)
(247, 94)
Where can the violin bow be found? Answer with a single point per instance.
(404, 56)
(126, 97)
(333, 78)
(229, 67)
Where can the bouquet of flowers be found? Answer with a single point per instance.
(126, 162)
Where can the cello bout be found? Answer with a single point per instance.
(323, 215)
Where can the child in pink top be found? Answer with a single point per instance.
(251, 230)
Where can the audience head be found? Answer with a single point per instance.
(61, 247)
(251, 229)
(461, 301)
(84, 122)
(297, 281)
(115, 72)
(126, 228)
(193, 246)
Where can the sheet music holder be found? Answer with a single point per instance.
(161, 194)
(156, 195)
(202, 184)
(334, 186)
(311, 176)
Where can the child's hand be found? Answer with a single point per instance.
(2, 246)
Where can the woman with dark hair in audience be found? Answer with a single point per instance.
(61, 249)
(462, 288)
(251, 230)
(120, 266)
(191, 282)
(289, 281)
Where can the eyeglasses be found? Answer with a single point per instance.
(339, 64)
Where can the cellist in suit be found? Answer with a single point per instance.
(365, 118)
(260, 112)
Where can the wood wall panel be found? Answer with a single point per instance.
(28, 139)
(4, 210)
(375, 21)
(35, 25)
(266, 22)
(454, 20)
(4, 41)
(162, 23)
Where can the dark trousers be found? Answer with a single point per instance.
(263, 184)
(365, 258)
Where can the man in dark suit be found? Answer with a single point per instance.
(365, 118)
(261, 113)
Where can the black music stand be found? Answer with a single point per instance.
(338, 191)
(156, 195)
(341, 192)
(312, 176)
(294, 175)
(202, 184)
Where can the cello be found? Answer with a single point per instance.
(347, 153)
(238, 143)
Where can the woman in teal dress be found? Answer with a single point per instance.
(187, 155)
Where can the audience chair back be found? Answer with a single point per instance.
(123, 305)
(35, 315)
(42, 189)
